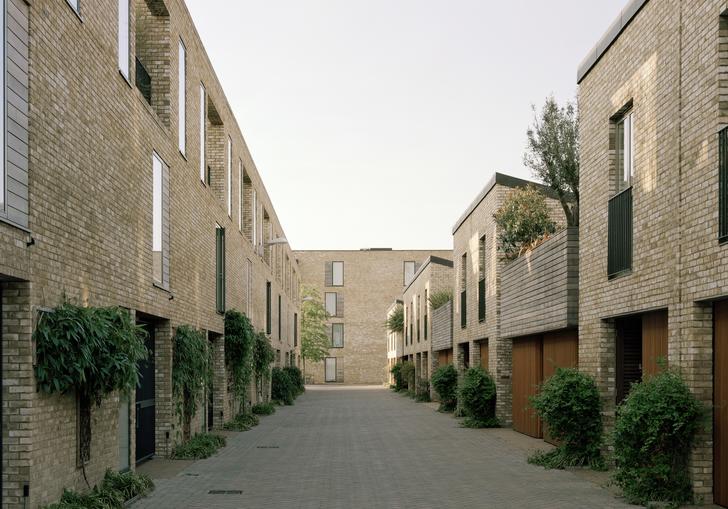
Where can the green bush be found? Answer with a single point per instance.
(239, 347)
(198, 447)
(296, 378)
(282, 387)
(115, 489)
(395, 321)
(445, 382)
(242, 422)
(477, 399)
(523, 221)
(263, 409)
(440, 298)
(653, 435)
(399, 383)
(570, 406)
(408, 375)
(423, 391)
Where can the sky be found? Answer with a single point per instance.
(375, 123)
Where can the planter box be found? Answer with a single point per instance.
(442, 328)
(540, 290)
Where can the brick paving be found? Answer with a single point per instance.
(369, 448)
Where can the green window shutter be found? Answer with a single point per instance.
(268, 305)
(481, 300)
(619, 235)
(723, 186)
(463, 310)
(220, 269)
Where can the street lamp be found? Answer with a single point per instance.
(272, 242)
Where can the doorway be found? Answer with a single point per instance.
(145, 406)
(720, 400)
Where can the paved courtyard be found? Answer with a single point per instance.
(369, 448)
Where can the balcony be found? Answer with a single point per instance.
(619, 239)
(540, 290)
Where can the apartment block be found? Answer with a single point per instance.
(654, 223)
(127, 182)
(357, 287)
(477, 281)
(434, 275)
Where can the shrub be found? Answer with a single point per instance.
(263, 409)
(408, 375)
(395, 321)
(399, 383)
(445, 382)
(523, 221)
(115, 489)
(198, 447)
(282, 387)
(440, 298)
(570, 406)
(423, 391)
(296, 379)
(653, 434)
(242, 422)
(477, 399)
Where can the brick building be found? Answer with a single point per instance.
(434, 275)
(357, 287)
(654, 212)
(477, 278)
(127, 182)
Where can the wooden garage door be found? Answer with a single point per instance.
(720, 394)
(527, 375)
(560, 350)
(444, 357)
(484, 354)
(654, 341)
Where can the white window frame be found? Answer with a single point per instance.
(182, 98)
(249, 287)
(123, 38)
(408, 280)
(255, 218)
(203, 134)
(330, 305)
(75, 5)
(625, 164)
(334, 327)
(240, 194)
(157, 213)
(333, 273)
(3, 162)
(229, 176)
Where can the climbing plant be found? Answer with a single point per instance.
(191, 370)
(239, 349)
(263, 356)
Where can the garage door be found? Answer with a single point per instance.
(654, 341)
(720, 392)
(484, 354)
(527, 375)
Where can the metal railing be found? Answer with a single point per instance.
(619, 238)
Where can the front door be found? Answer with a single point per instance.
(145, 402)
(654, 342)
(720, 394)
(330, 365)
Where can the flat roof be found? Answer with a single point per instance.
(498, 179)
(611, 35)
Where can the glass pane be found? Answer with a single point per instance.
(124, 37)
(338, 335)
(202, 132)
(331, 303)
(627, 164)
(409, 272)
(338, 273)
(230, 177)
(182, 98)
(157, 218)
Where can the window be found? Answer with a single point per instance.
(481, 279)
(240, 194)
(220, 269)
(153, 56)
(255, 218)
(427, 307)
(124, 38)
(157, 218)
(229, 177)
(280, 313)
(74, 4)
(409, 272)
(463, 294)
(338, 273)
(337, 335)
(268, 305)
(295, 329)
(249, 287)
(419, 313)
(2, 121)
(182, 99)
(722, 187)
(203, 101)
(624, 139)
(330, 298)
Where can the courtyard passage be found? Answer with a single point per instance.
(343, 447)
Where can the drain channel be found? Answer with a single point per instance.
(225, 492)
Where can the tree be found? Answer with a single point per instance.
(552, 153)
(523, 221)
(315, 342)
(395, 321)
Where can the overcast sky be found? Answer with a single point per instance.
(374, 123)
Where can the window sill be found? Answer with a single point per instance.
(9, 222)
(723, 241)
(162, 287)
(619, 275)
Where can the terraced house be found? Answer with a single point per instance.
(654, 180)
(477, 338)
(433, 275)
(358, 287)
(126, 182)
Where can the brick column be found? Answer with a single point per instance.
(167, 431)
(501, 361)
(219, 382)
(18, 391)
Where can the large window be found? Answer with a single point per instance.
(268, 306)
(409, 272)
(280, 314)
(2, 119)
(723, 187)
(255, 219)
(625, 154)
(338, 273)
(157, 217)
(124, 38)
(330, 298)
(481, 279)
(463, 291)
(229, 177)
(203, 137)
(337, 335)
(182, 99)
(220, 269)
(249, 287)
(240, 194)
